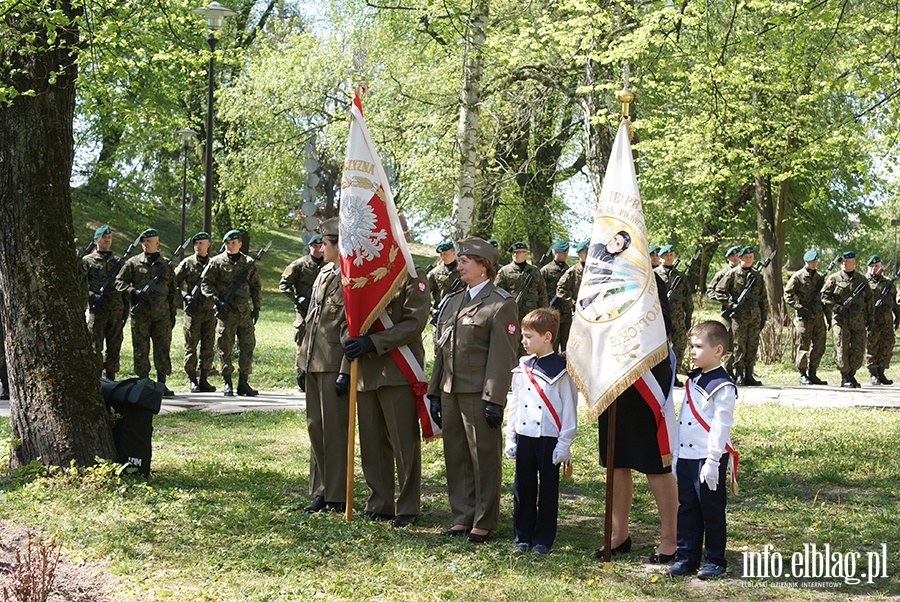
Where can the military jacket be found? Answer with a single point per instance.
(839, 287)
(188, 273)
(567, 291)
(97, 267)
(884, 293)
(680, 299)
(732, 284)
(716, 279)
(552, 272)
(221, 272)
(297, 281)
(511, 278)
(441, 280)
(326, 326)
(800, 289)
(137, 273)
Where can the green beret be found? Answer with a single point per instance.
(811, 255)
(493, 242)
(479, 248)
(444, 246)
(315, 239)
(560, 246)
(873, 259)
(848, 255)
(330, 227)
(148, 233)
(516, 246)
(200, 236)
(745, 250)
(732, 251)
(231, 235)
(666, 249)
(101, 231)
(584, 244)
(655, 250)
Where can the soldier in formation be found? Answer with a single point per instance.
(443, 277)
(654, 256)
(732, 260)
(523, 281)
(848, 297)
(742, 292)
(231, 281)
(551, 273)
(880, 335)
(149, 281)
(106, 304)
(199, 323)
(567, 292)
(296, 282)
(681, 305)
(803, 292)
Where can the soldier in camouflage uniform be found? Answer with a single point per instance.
(681, 305)
(567, 292)
(105, 311)
(234, 316)
(296, 283)
(654, 256)
(851, 317)
(443, 277)
(153, 307)
(552, 272)
(880, 336)
(731, 257)
(199, 322)
(803, 292)
(749, 316)
(512, 279)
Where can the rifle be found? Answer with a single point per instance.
(437, 310)
(86, 250)
(239, 279)
(680, 276)
(144, 293)
(884, 299)
(530, 278)
(729, 312)
(110, 282)
(844, 307)
(807, 309)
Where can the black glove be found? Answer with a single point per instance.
(435, 409)
(733, 308)
(687, 322)
(896, 322)
(804, 314)
(762, 323)
(868, 323)
(301, 380)
(493, 413)
(254, 314)
(221, 306)
(879, 303)
(357, 347)
(342, 385)
(188, 301)
(298, 302)
(172, 318)
(140, 296)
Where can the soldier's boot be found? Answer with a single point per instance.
(804, 379)
(244, 388)
(853, 381)
(884, 379)
(195, 386)
(749, 380)
(815, 379)
(205, 387)
(738, 377)
(110, 375)
(845, 380)
(226, 389)
(167, 392)
(4, 388)
(874, 377)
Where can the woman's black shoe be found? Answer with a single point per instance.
(454, 532)
(662, 558)
(622, 548)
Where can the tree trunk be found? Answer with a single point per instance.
(597, 138)
(56, 409)
(770, 227)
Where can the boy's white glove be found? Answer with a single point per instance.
(561, 455)
(510, 450)
(709, 474)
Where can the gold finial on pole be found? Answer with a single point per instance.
(625, 96)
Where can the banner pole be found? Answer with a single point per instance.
(351, 439)
(610, 472)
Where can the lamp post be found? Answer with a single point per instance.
(215, 15)
(187, 136)
(895, 223)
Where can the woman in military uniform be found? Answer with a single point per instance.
(477, 338)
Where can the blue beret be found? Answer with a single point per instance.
(231, 235)
(811, 255)
(444, 246)
(848, 255)
(873, 259)
(315, 239)
(493, 242)
(560, 246)
(745, 250)
(516, 246)
(655, 250)
(149, 233)
(584, 244)
(732, 251)
(101, 231)
(666, 249)
(200, 236)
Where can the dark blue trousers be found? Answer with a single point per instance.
(535, 506)
(701, 511)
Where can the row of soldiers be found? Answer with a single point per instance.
(216, 293)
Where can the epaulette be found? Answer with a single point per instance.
(503, 293)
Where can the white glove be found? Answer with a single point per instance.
(709, 474)
(561, 454)
(510, 451)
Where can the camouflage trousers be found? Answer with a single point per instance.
(199, 331)
(745, 329)
(728, 356)
(235, 324)
(159, 330)
(563, 339)
(849, 336)
(679, 339)
(106, 328)
(810, 342)
(880, 344)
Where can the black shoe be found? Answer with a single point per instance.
(661, 558)
(681, 568)
(227, 389)
(476, 538)
(845, 381)
(167, 392)
(884, 379)
(622, 548)
(815, 379)
(874, 380)
(853, 381)
(749, 381)
(316, 505)
(195, 387)
(804, 379)
(372, 515)
(205, 387)
(454, 532)
(739, 379)
(403, 520)
(678, 383)
(244, 388)
(110, 375)
(334, 507)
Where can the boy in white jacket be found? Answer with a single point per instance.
(541, 423)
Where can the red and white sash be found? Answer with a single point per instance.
(705, 424)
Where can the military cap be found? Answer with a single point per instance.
(848, 255)
(655, 250)
(330, 226)
(444, 246)
(560, 246)
(584, 244)
(200, 236)
(516, 246)
(148, 233)
(873, 259)
(745, 250)
(733, 250)
(101, 231)
(666, 249)
(231, 235)
(478, 247)
(493, 242)
(811, 255)
(315, 239)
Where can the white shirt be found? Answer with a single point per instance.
(716, 407)
(474, 290)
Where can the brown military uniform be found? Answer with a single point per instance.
(748, 321)
(728, 356)
(199, 323)
(681, 308)
(880, 336)
(105, 317)
(477, 340)
(296, 282)
(803, 292)
(552, 273)
(566, 295)
(849, 329)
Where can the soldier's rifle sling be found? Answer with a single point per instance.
(243, 274)
(679, 277)
(110, 281)
(159, 272)
(529, 278)
(196, 289)
(814, 296)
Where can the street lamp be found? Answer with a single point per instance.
(215, 15)
(895, 223)
(187, 136)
